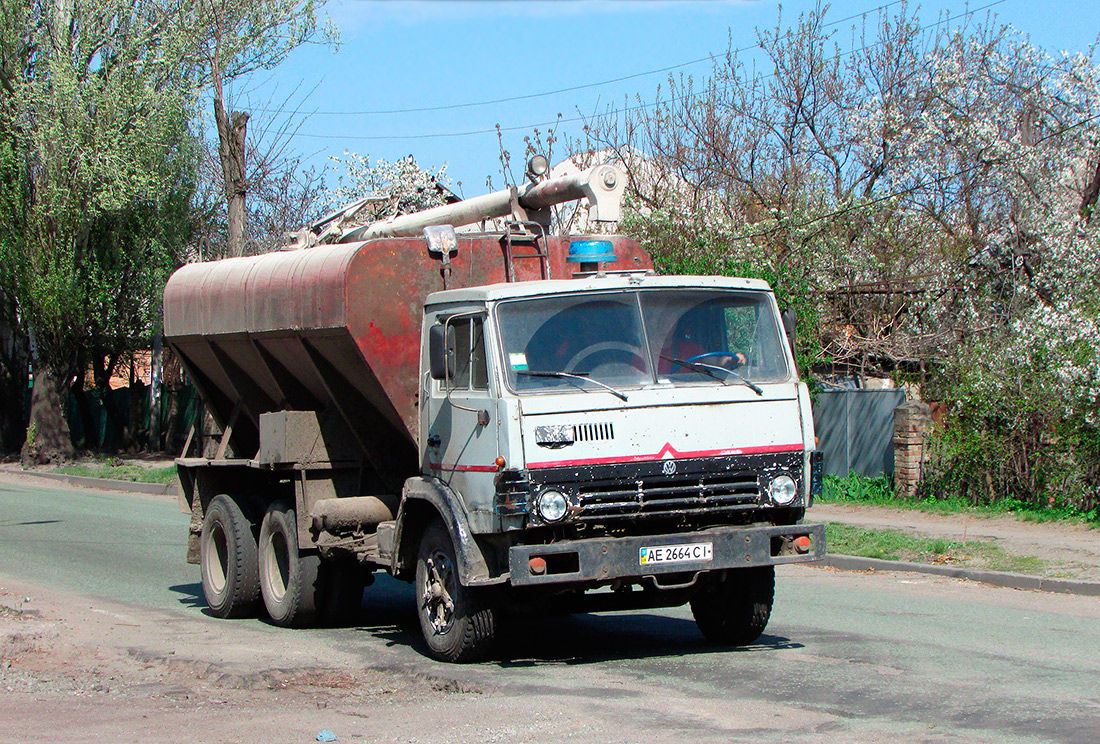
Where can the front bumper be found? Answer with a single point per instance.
(607, 558)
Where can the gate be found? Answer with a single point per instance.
(855, 430)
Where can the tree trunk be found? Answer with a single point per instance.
(173, 387)
(48, 439)
(14, 356)
(156, 373)
(102, 369)
(91, 427)
(231, 149)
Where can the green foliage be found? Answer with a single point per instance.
(1015, 434)
(98, 121)
(120, 470)
(921, 227)
(859, 489)
(99, 146)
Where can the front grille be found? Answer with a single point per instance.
(666, 496)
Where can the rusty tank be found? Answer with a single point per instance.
(336, 328)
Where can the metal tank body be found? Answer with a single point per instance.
(333, 329)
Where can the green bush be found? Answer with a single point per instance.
(1014, 434)
(858, 488)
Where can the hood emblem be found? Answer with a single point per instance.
(555, 437)
(669, 467)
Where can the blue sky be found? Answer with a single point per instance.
(426, 54)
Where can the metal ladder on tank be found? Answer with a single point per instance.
(530, 235)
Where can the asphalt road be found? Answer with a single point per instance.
(847, 657)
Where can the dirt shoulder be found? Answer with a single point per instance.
(76, 669)
(1060, 550)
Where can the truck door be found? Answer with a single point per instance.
(462, 440)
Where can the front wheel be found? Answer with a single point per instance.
(733, 607)
(289, 578)
(458, 623)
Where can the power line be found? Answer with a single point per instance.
(571, 89)
(510, 99)
(639, 107)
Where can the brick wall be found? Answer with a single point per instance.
(912, 428)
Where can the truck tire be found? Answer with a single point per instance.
(227, 556)
(733, 608)
(458, 622)
(289, 578)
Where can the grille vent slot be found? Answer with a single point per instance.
(593, 432)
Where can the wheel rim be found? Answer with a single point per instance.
(277, 566)
(216, 569)
(437, 601)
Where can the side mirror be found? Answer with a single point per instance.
(441, 351)
(788, 317)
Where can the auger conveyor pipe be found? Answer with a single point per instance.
(602, 185)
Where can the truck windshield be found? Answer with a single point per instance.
(629, 339)
(599, 337)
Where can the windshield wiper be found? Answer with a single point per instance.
(569, 375)
(706, 369)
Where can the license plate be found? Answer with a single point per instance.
(694, 552)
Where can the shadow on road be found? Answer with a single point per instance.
(29, 524)
(389, 613)
(590, 639)
(192, 595)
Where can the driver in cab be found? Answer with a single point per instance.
(691, 341)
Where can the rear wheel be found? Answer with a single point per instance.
(733, 607)
(458, 622)
(289, 577)
(227, 556)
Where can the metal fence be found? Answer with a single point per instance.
(91, 427)
(855, 430)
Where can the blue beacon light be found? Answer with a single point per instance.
(590, 254)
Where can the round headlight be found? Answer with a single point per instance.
(782, 489)
(552, 505)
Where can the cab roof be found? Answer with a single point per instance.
(609, 282)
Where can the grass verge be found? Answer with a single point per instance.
(121, 471)
(858, 489)
(894, 545)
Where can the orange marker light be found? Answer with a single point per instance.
(537, 565)
(500, 462)
(803, 543)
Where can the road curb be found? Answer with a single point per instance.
(994, 578)
(152, 489)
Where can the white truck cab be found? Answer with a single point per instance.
(619, 427)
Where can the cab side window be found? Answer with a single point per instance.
(471, 371)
